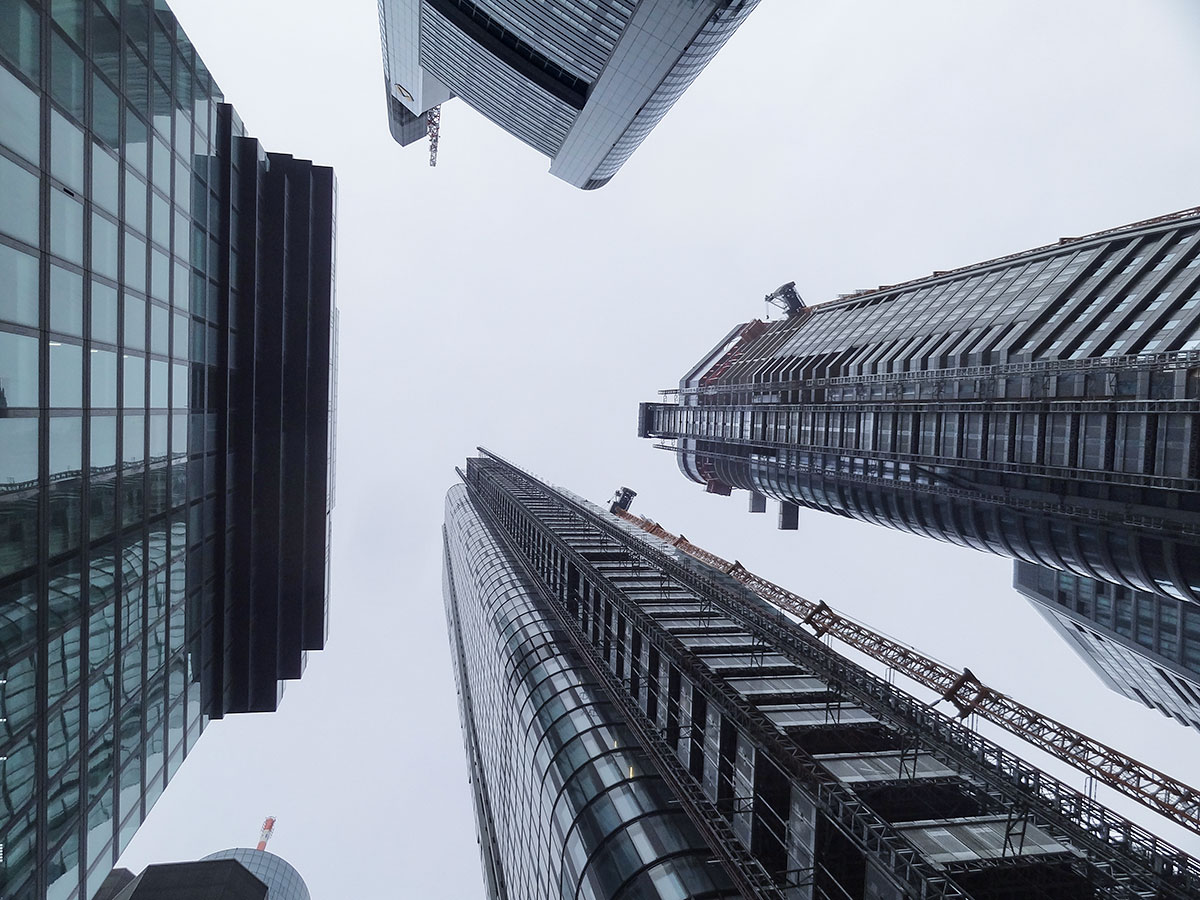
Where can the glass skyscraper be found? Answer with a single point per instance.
(1044, 406)
(166, 304)
(639, 724)
(582, 81)
(1142, 645)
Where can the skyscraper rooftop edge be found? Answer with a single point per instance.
(582, 81)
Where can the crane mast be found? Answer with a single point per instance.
(1171, 798)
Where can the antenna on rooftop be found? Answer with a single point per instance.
(267, 830)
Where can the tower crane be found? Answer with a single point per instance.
(433, 122)
(1171, 798)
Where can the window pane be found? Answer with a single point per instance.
(66, 374)
(20, 114)
(104, 313)
(66, 76)
(103, 441)
(135, 141)
(135, 201)
(66, 151)
(106, 114)
(19, 211)
(66, 301)
(104, 246)
(133, 439)
(160, 275)
(135, 261)
(104, 179)
(18, 287)
(104, 379)
(135, 323)
(179, 386)
(19, 36)
(18, 462)
(66, 444)
(18, 370)
(66, 226)
(158, 385)
(106, 44)
(159, 325)
(135, 382)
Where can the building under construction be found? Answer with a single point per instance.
(1044, 406)
(640, 722)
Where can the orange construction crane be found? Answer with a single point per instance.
(1178, 802)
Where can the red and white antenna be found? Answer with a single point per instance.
(267, 830)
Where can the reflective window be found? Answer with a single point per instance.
(135, 261)
(106, 113)
(18, 287)
(159, 327)
(19, 211)
(135, 201)
(66, 151)
(66, 226)
(20, 115)
(66, 76)
(104, 246)
(66, 444)
(133, 439)
(104, 313)
(160, 220)
(66, 301)
(66, 374)
(179, 337)
(104, 379)
(135, 382)
(160, 275)
(135, 141)
(158, 385)
(19, 461)
(158, 431)
(135, 323)
(103, 441)
(18, 370)
(179, 386)
(105, 173)
(19, 36)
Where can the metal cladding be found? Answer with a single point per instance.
(1043, 406)
(805, 775)
(582, 81)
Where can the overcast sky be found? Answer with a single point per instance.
(841, 144)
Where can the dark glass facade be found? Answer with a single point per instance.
(281, 878)
(582, 81)
(1145, 646)
(1043, 406)
(622, 701)
(166, 305)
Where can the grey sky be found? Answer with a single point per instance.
(842, 144)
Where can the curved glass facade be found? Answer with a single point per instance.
(587, 647)
(281, 878)
(567, 802)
